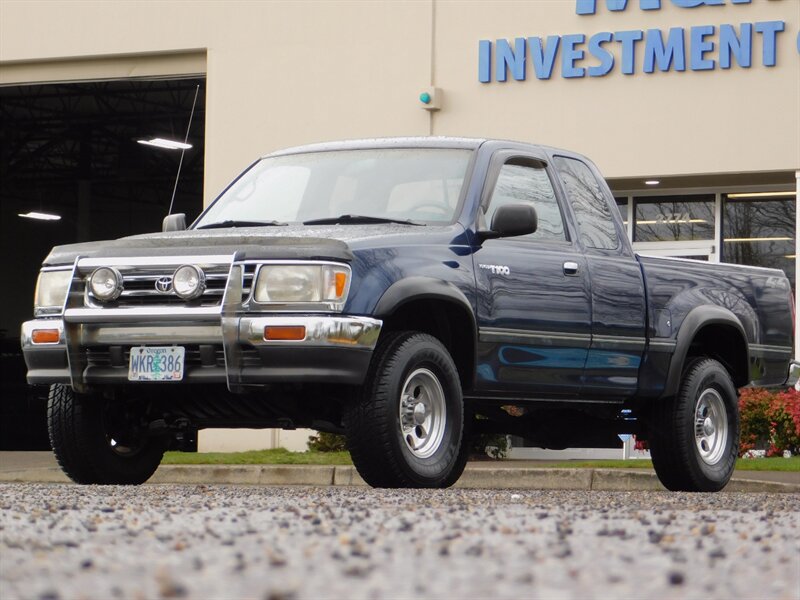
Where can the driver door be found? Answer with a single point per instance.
(533, 296)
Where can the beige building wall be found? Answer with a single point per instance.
(240, 440)
(286, 73)
(644, 124)
(279, 73)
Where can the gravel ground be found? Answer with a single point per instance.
(65, 541)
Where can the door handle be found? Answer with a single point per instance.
(570, 268)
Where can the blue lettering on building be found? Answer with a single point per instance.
(738, 46)
(589, 7)
(769, 31)
(574, 56)
(543, 55)
(665, 55)
(701, 46)
(570, 54)
(605, 56)
(510, 59)
(628, 41)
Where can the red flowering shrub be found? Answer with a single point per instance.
(754, 417)
(769, 421)
(785, 410)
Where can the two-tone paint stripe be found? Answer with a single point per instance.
(603, 342)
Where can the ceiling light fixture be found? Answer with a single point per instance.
(763, 195)
(670, 221)
(40, 216)
(759, 239)
(652, 182)
(168, 144)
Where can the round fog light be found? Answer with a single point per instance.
(105, 284)
(188, 282)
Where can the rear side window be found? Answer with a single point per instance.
(524, 182)
(595, 223)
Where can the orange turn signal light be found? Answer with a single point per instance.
(341, 281)
(45, 336)
(286, 333)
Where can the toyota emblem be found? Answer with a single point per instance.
(164, 285)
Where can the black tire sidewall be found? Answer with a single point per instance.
(423, 351)
(84, 451)
(704, 375)
(135, 468)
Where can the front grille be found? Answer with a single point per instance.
(197, 355)
(204, 355)
(139, 287)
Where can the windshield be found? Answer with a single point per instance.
(422, 185)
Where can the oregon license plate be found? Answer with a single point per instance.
(156, 363)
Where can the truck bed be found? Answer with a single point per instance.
(759, 297)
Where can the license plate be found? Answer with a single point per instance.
(156, 363)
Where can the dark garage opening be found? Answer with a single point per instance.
(71, 150)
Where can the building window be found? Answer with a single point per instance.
(674, 218)
(760, 231)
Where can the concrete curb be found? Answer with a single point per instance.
(519, 478)
(318, 475)
(40, 475)
(526, 478)
(625, 480)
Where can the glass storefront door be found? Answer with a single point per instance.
(678, 226)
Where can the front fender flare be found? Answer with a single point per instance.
(421, 288)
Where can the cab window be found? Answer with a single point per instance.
(523, 181)
(592, 210)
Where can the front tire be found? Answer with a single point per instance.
(95, 441)
(405, 428)
(694, 437)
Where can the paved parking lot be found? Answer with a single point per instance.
(66, 541)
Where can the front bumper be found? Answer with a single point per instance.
(229, 349)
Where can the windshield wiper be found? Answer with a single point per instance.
(359, 219)
(233, 223)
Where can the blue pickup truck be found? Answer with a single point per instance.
(408, 293)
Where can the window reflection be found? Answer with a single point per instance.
(760, 232)
(674, 218)
(422, 184)
(622, 205)
(588, 202)
(520, 183)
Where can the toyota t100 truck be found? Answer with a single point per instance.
(408, 293)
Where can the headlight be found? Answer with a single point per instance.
(51, 290)
(288, 284)
(189, 282)
(105, 284)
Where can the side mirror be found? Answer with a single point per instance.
(176, 222)
(512, 220)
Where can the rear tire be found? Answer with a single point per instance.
(694, 437)
(95, 444)
(406, 426)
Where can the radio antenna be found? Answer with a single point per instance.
(183, 150)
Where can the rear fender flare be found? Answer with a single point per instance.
(697, 319)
